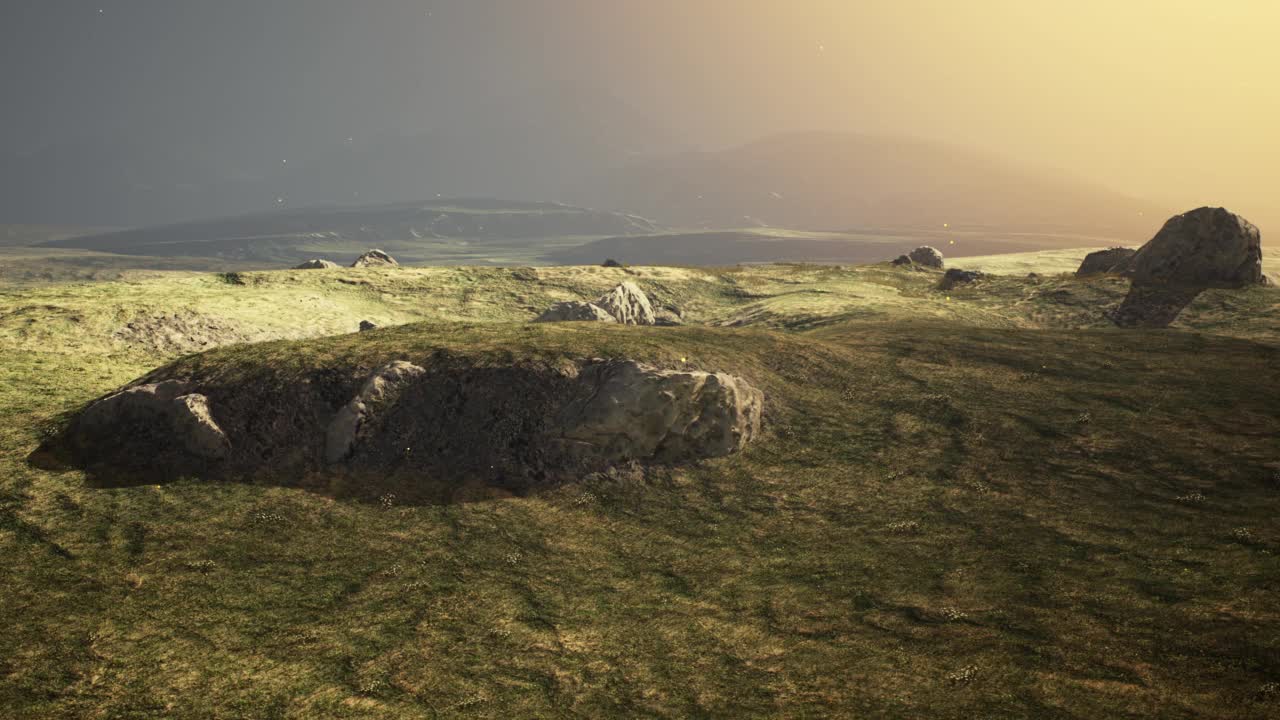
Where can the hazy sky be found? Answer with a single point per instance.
(1176, 100)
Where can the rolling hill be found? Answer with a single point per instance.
(834, 181)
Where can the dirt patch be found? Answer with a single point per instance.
(185, 331)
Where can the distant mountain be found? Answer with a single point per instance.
(833, 181)
(532, 145)
(341, 232)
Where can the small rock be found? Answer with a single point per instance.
(611, 263)
(1105, 262)
(374, 258)
(366, 326)
(955, 277)
(316, 264)
(926, 256)
(902, 260)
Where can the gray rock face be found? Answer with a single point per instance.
(628, 304)
(926, 256)
(640, 412)
(380, 391)
(374, 258)
(1202, 249)
(1103, 262)
(575, 311)
(316, 264)
(165, 411)
(194, 424)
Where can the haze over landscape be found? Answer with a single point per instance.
(134, 112)
(630, 359)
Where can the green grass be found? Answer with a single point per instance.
(984, 506)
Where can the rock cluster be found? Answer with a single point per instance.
(1196, 251)
(316, 264)
(374, 258)
(626, 304)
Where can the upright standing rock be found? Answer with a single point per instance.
(1196, 251)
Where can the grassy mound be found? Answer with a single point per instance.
(978, 504)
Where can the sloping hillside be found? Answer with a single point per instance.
(830, 181)
(976, 503)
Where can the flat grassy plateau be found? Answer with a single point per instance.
(979, 503)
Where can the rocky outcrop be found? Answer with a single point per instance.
(639, 412)
(1112, 261)
(316, 264)
(374, 258)
(926, 256)
(575, 311)
(440, 420)
(145, 424)
(380, 390)
(626, 304)
(1196, 251)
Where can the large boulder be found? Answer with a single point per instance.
(1112, 261)
(316, 264)
(628, 304)
(1196, 251)
(575, 311)
(926, 256)
(374, 258)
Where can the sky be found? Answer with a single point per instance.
(1172, 100)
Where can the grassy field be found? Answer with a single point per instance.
(981, 503)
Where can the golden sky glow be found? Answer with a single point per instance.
(1174, 100)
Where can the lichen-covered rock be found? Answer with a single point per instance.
(316, 264)
(640, 412)
(374, 258)
(1202, 249)
(381, 390)
(575, 311)
(926, 256)
(628, 304)
(1112, 261)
